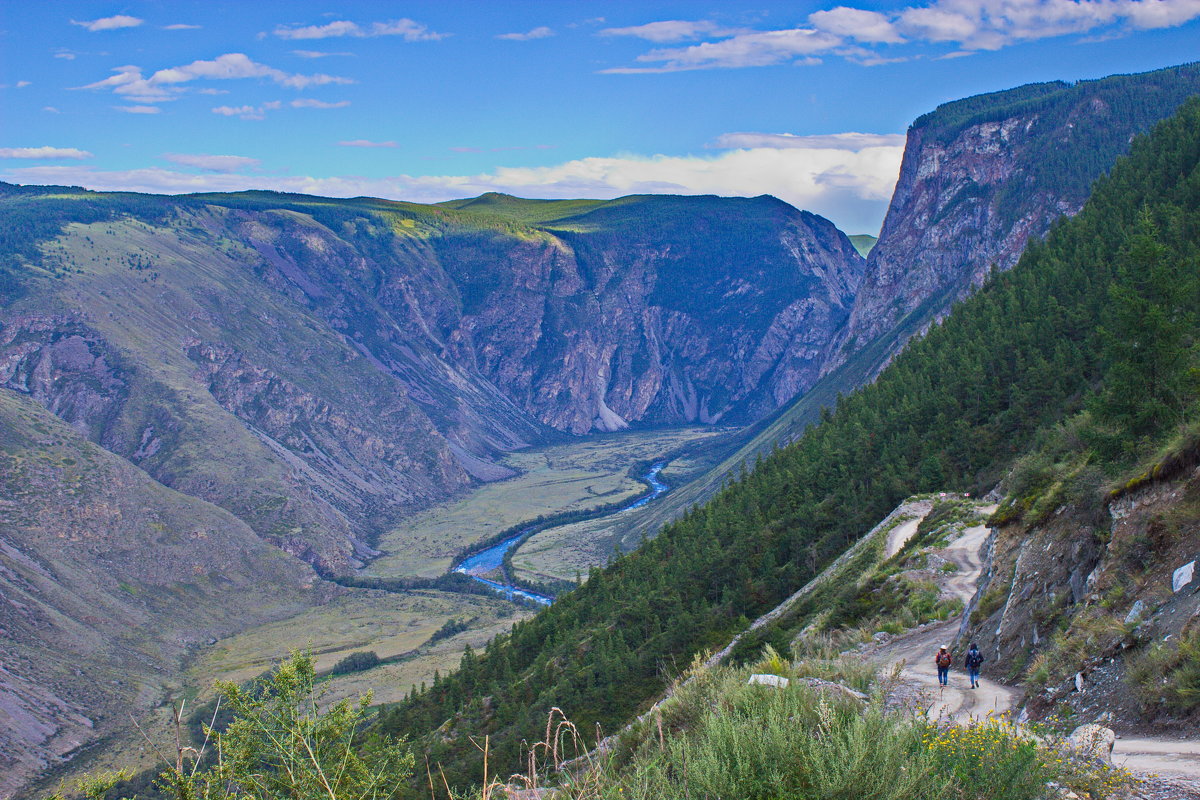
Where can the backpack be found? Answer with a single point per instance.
(943, 659)
(974, 658)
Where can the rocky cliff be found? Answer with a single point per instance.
(984, 175)
(1093, 608)
(323, 368)
(656, 309)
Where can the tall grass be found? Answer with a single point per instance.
(719, 738)
(1168, 674)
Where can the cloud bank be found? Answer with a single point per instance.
(845, 177)
(540, 32)
(862, 35)
(212, 163)
(43, 152)
(109, 23)
(407, 29)
(165, 84)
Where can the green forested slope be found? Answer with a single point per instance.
(1045, 340)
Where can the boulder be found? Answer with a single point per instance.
(1135, 614)
(836, 689)
(1183, 576)
(768, 680)
(1093, 741)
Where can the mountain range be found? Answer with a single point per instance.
(208, 399)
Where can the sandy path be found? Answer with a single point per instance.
(1159, 756)
(916, 650)
(899, 537)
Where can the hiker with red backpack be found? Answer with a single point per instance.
(943, 660)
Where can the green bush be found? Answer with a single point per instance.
(1168, 674)
(356, 662)
(282, 744)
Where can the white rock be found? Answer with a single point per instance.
(1135, 614)
(1079, 681)
(1183, 576)
(768, 680)
(1093, 741)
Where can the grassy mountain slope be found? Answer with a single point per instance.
(322, 368)
(863, 242)
(109, 580)
(952, 411)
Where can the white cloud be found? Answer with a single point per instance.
(66, 55)
(212, 163)
(540, 32)
(968, 25)
(245, 112)
(138, 109)
(317, 54)
(856, 23)
(674, 30)
(43, 152)
(365, 143)
(407, 29)
(163, 85)
(745, 50)
(181, 26)
(310, 103)
(51, 110)
(850, 186)
(22, 84)
(109, 23)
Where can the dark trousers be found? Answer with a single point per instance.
(943, 675)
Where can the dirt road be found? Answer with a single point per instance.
(957, 701)
(1178, 761)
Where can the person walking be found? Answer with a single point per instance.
(972, 662)
(943, 660)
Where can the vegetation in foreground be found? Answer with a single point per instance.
(716, 736)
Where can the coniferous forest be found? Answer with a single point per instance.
(1097, 325)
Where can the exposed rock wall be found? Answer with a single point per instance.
(664, 323)
(981, 177)
(1075, 600)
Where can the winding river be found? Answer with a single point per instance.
(485, 561)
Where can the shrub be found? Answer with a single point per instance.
(281, 744)
(989, 759)
(356, 662)
(450, 627)
(1168, 675)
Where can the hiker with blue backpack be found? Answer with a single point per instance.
(973, 660)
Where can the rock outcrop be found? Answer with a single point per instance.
(981, 177)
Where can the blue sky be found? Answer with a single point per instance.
(430, 101)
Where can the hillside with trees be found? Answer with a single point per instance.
(1058, 335)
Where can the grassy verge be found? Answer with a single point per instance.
(718, 736)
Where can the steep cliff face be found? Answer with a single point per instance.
(173, 354)
(655, 309)
(983, 176)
